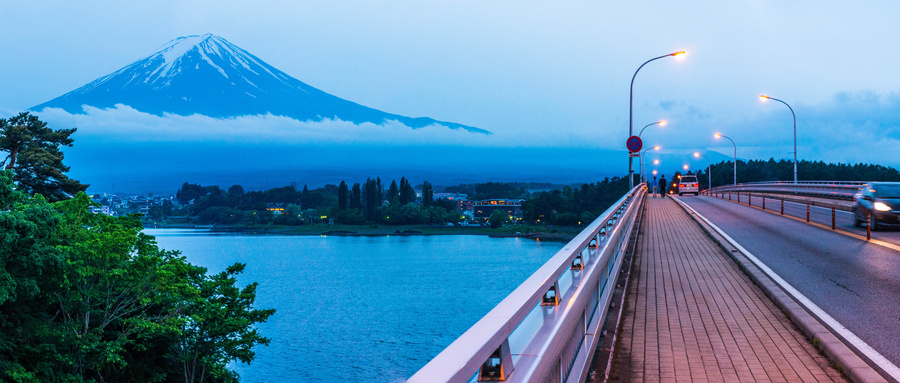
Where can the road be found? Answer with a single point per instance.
(856, 282)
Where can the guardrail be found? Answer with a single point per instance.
(834, 206)
(548, 328)
(826, 189)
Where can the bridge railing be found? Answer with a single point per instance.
(826, 189)
(548, 328)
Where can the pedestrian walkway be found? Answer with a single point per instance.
(692, 316)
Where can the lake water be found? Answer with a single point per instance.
(362, 309)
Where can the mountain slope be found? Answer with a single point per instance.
(208, 75)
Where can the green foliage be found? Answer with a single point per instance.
(498, 218)
(427, 194)
(570, 206)
(89, 298)
(783, 170)
(34, 155)
(343, 195)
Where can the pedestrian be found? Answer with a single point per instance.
(662, 185)
(655, 186)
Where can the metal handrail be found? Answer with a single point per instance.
(568, 333)
(826, 189)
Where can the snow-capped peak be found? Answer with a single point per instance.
(206, 74)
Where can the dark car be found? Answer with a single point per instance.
(881, 200)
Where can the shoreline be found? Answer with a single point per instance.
(538, 233)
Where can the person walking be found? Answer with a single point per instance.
(655, 186)
(662, 185)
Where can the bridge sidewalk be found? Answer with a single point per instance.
(692, 315)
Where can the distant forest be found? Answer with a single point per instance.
(371, 202)
(783, 170)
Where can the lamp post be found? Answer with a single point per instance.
(642, 160)
(708, 168)
(764, 97)
(735, 154)
(661, 123)
(631, 113)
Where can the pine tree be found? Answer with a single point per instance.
(35, 157)
(393, 194)
(427, 193)
(342, 196)
(356, 197)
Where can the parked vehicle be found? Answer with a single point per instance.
(688, 184)
(881, 202)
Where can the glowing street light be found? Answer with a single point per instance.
(642, 160)
(764, 98)
(631, 112)
(718, 135)
(685, 167)
(660, 122)
(708, 168)
(656, 162)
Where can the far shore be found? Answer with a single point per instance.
(541, 233)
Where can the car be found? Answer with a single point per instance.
(879, 200)
(688, 184)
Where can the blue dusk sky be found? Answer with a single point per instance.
(538, 74)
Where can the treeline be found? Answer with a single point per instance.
(574, 206)
(89, 298)
(358, 204)
(783, 170)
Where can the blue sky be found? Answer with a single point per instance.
(537, 73)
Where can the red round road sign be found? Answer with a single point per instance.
(634, 143)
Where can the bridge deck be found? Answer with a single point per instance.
(692, 315)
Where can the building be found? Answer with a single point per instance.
(484, 208)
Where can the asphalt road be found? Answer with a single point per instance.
(855, 282)
(843, 219)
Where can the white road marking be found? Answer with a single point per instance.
(836, 326)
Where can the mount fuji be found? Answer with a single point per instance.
(208, 75)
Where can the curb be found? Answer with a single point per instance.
(847, 362)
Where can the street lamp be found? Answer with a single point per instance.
(764, 98)
(642, 160)
(631, 112)
(661, 123)
(735, 154)
(708, 168)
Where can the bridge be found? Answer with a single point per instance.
(750, 282)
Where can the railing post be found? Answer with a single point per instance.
(868, 226)
(807, 212)
(498, 366)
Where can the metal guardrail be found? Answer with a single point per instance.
(548, 328)
(826, 189)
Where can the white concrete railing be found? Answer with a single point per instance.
(547, 329)
(826, 189)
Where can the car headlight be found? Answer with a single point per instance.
(882, 207)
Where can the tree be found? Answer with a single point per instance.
(236, 190)
(407, 193)
(342, 196)
(92, 298)
(393, 195)
(356, 197)
(427, 193)
(34, 155)
(499, 218)
(373, 199)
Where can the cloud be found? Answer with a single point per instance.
(125, 124)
